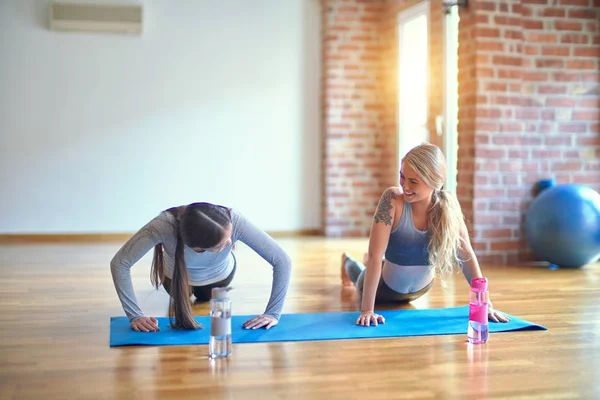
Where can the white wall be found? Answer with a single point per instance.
(217, 101)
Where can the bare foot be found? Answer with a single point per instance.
(345, 278)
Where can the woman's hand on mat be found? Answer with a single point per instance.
(367, 317)
(496, 316)
(261, 321)
(145, 324)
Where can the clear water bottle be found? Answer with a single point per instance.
(478, 311)
(220, 323)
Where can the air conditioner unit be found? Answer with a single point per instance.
(96, 17)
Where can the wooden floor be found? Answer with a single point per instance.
(56, 300)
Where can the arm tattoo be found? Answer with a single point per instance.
(384, 208)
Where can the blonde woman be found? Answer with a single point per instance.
(419, 228)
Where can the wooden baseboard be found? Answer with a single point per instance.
(296, 233)
(63, 238)
(116, 237)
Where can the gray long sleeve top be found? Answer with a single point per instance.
(203, 268)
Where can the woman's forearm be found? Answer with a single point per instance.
(372, 276)
(471, 268)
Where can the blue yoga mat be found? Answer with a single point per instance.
(316, 326)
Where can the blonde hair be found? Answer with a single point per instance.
(445, 220)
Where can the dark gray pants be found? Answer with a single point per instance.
(203, 293)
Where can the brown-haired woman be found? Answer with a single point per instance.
(192, 254)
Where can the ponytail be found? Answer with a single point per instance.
(446, 221)
(157, 271)
(179, 306)
(180, 310)
(445, 225)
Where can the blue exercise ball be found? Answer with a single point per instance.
(563, 225)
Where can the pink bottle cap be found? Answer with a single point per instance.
(479, 284)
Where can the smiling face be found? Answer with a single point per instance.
(423, 171)
(414, 188)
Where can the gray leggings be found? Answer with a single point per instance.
(385, 294)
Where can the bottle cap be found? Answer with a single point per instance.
(220, 292)
(479, 284)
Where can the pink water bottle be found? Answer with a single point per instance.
(478, 311)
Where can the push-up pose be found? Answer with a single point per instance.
(193, 254)
(419, 228)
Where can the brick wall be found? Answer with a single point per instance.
(360, 106)
(467, 101)
(353, 109)
(389, 172)
(529, 108)
(436, 69)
